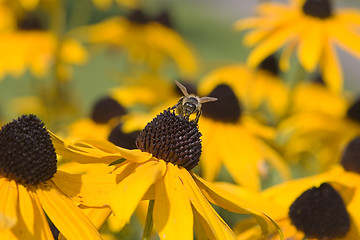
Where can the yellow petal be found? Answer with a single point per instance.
(284, 62)
(87, 189)
(96, 215)
(241, 155)
(331, 69)
(275, 159)
(211, 222)
(42, 229)
(273, 42)
(173, 216)
(311, 44)
(345, 37)
(8, 204)
(129, 192)
(65, 215)
(26, 208)
(210, 160)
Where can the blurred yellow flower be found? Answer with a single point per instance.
(161, 171)
(310, 27)
(233, 137)
(315, 136)
(145, 41)
(27, 45)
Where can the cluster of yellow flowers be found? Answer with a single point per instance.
(157, 158)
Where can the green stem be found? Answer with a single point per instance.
(149, 221)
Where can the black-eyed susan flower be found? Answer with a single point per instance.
(28, 175)
(232, 137)
(145, 41)
(311, 28)
(323, 206)
(160, 171)
(319, 210)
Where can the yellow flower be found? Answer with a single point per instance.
(28, 186)
(311, 28)
(314, 137)
(316, 98)
(231, 136)
(145, 41)
(323, 206)
(170, 147)
(28, 45)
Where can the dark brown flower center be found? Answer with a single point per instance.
(139, 17)
(121, 139)
(226, 109)
(172, 138)
(26, 151)
(270, 65)
(318, 8)
(320, 213)
(351, 156)
(30, 21)
(106, 109)
(354, 111)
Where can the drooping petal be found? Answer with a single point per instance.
(95, 151)
(311, 44)
(65, 215)
(234, 203)
(8, 204)
(284, 62)
(87, 189)
(129, 192)
(211, 222)
(173, 215)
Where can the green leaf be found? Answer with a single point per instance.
(121, 160)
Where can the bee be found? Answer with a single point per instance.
(190, 103)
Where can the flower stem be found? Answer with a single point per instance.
(149, 221)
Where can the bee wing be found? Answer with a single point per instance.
(207, 99)
(182, 88)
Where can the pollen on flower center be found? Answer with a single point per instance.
(121, 139)
(172, 138)
(26, 151)
(105, 109)
(318, 8)
(351, 156)
(226, 109)
(320, 213)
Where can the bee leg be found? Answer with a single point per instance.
(198, 114)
